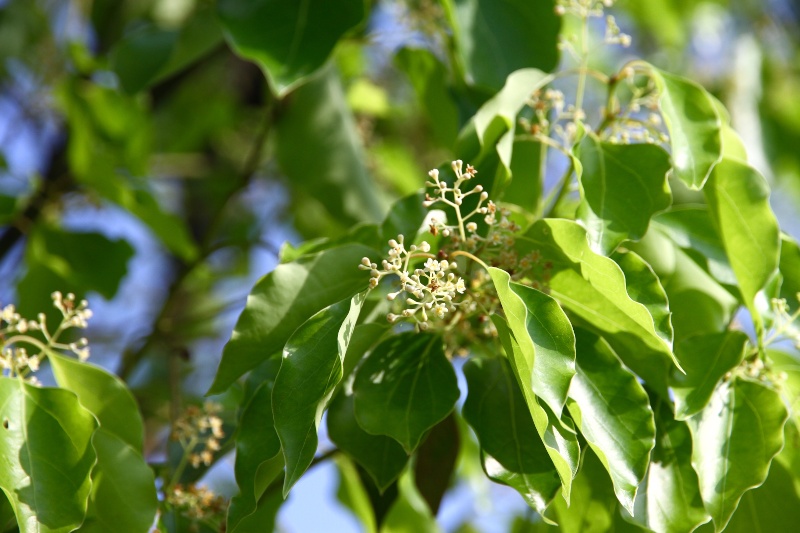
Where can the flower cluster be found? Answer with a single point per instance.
(583, 8)
(783, 323)
(199, 431)
(441, 192)
(26, 343)
(197, 503)
(553, 116)
(430, 290)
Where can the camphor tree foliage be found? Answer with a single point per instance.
(593, 249)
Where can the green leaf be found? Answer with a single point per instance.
(559, 438)
(513, 453)
(668, 500)
(593, 504)
(525, 188)
(738, 200)
(382, 457)
(428, 77)
(140, 55)
(694, 127)
(257, 448)
(284, 299)
(706, 359)
(545, 337)
(310, 371)
(622, 187)
(699, 304)
(289, 41)
(735, 438)
(404, 388)
(409, 512)
(613, 412)
(123, 494)
(435, 463)
(494, 38)
(320, 153)
(405, 218)
(645, 287)
(774, 506)
(351, 494)
(46, 447)
(592, 288)
(104, 395)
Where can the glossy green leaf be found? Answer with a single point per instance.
(311, 369)
(691, 228)
(545, 337)
(706, 359)
(45, 441)
(645, 287)
(559, 438)
(613, 412)
(382, 457)
(790, 270)
(593, 504)
(494, 38)
(351, 494)
(774, 506)
(257, 447)
(285, 298)
(123, 496)
(404, 388)
(428, 77)
(513, 453)
(593, 290)
(738, 200)
(409, 513)
(622, 187)
(668, 500)
(694, 127)
(699, 304)
(104, 395)
(735, 438)
(320, 153)
(288, 41)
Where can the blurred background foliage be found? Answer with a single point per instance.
(154, 158)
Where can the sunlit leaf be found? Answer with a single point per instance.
(310, 370)
(735, 438)
(284, 299)
(409, 513)
(622, 187)
(404, 388)
(706, 359)
(613, 412)
(45, 441)
(694, 127)
(513, 453)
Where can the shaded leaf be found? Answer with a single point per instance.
(284, 299)
(735, 438)
(351, 494)
(382, 457)
(123, 496)
(45, 442)
(494, 38)
(289, 41)
(527, 174)
(738, 201)
(668, 500)
(593, 504)
(319, 151)
(774, 506)
(545, 337)
(310, 370)
(609, 215)
(257, 447)
(404, 388)
(409, 512)
(706, 359)
(613, 412)
(435, 462)
(513, 452)
(694, 127)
